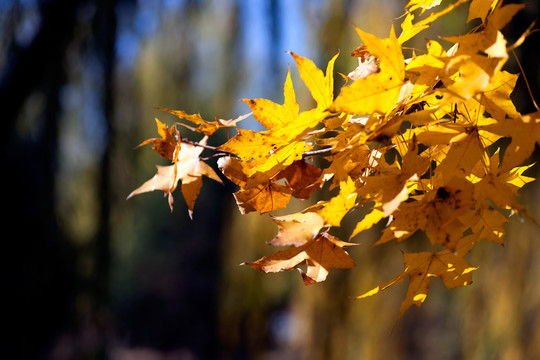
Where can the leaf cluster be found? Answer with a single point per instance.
(416, 141)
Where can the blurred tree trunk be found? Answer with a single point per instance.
(39, 267)
(105, 23)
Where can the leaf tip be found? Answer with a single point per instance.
(307, 279)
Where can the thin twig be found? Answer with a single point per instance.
(220, 152)
(321, 152)
(208, 147)
(526, 81)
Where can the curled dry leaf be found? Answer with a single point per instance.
(168, 145)
(367, 64)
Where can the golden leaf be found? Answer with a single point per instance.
(320, 85)
(377, 92)
(188, 168)
(302, 178)
(264, 198)
(320, 255)
(167, 145)
(336, 208)
(451, 268)
(296, 229)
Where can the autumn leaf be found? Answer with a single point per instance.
(167, 145)
(367, 64)
(253, 146)
(286, 122)
(436, 15)
(439, 213)
(408, 29)
(488, 223)
(336, 208)
(462, 155)
(480, 9)
(451, 268)
(368, 221)
(282, 156)
(320, 255)
(502, 15)
(206, 127)
(165, 180)
(238, 171)
(496, 95)
(264, 198)
(272, 115)
(187, 168)
(422, 4)
(296, 229)
(525, 133)
(393, 189)
(320, 85)
(302, 178)
(379, 91)
(349, 163)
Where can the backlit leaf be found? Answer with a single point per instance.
(320, 256)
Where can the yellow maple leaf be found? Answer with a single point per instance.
(501, 15)
(496, 95)
(434, 16)
(320, 255)
(368, 221)
(272, 115)
(422, 4)
(462, 155)
(187, 168)
(282, 157)
(253, 146)
(320, 85)
(205, 127)
(168, 145)
(439, 213)
(263, 198)
(525, 133)
(336, 208)
(377, 92)
(498, 184)
(447, 265)
(296, 229)
(302, 178)
(408, 29)
(471, 76)
(391, 190)
(487, 222)
(480, 9)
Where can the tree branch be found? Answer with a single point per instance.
(220, 152)
(320, 152)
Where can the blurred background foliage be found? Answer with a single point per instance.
(90, 275)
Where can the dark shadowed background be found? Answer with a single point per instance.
(89, 275)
